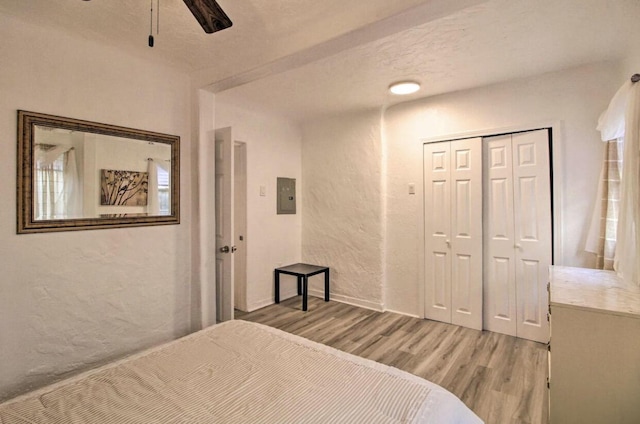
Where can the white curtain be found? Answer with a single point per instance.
(626, 258)
(153, 207)
(153, 194)
(622, 121)
(602, 236)
(57, 192)
(72, 189)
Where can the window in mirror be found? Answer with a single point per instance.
(75, 174)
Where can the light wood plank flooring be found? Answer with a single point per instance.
(501, 378)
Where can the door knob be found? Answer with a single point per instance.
(517, 246)
(224, 249)
(448, 242)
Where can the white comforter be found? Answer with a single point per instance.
(241, 372)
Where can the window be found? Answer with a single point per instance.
(49, 196)
(164, 201)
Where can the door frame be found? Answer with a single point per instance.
(557, 183)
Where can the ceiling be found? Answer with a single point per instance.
(262, 31)
(305, 58)
(491, 42)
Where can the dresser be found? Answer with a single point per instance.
(594, 349)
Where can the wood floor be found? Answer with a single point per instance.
(501, 378)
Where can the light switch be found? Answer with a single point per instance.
(412, 188)
(263, 191)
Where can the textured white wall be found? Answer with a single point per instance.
(575, 98)
(273, 150)
(631, 65)
(358, 215)
(342, 167)
(70, 300)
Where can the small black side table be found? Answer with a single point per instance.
(303, 272)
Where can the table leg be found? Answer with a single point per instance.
(299, 285)
(326, 285)
(305, 292)
(277, 281)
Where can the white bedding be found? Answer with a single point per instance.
(240, 372)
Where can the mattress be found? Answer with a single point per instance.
(240, 372)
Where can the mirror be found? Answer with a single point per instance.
(79, 175)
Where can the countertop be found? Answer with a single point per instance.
(593, 289)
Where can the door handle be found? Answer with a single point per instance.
(224, 249)
(518, 246)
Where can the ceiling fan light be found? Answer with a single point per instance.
(404, 87)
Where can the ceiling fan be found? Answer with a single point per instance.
(209, 14)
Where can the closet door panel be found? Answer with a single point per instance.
(437, 231)
(466, 231)
(440, 293)
(499, 255)
(531, 314)
(532, 211)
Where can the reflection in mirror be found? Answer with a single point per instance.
(77, 174)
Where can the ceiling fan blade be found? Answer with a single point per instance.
(209, 14)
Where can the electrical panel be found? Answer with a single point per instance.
(286, 195)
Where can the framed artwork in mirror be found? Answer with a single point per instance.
(80, 175)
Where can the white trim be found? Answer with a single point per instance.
(404, 314)
(422, 304)
(490, 132)
(556, 127)
(367, 304)
(254, 306)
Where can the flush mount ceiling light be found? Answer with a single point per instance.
(404, 87)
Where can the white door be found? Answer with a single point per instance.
(453, 232)
(499, 239)
(466, 233)
(532, 216)
(517, 222)
(240, 226)
(224, 224)
(437, 231)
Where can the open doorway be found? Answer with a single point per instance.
(231, 224)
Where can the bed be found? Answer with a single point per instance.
(240, 372)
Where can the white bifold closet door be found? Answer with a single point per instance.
(453, 232)
(517, 234)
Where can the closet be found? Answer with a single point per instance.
(517, 234)
(453, 231)
(488, 232)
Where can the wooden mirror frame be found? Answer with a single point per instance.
(25, 169)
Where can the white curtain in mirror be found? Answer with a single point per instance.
(57, 187)
(158, 196)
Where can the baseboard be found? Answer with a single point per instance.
(403, 313)
(366, 304)
(259, 305)
(270, 301)
(349, 300)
